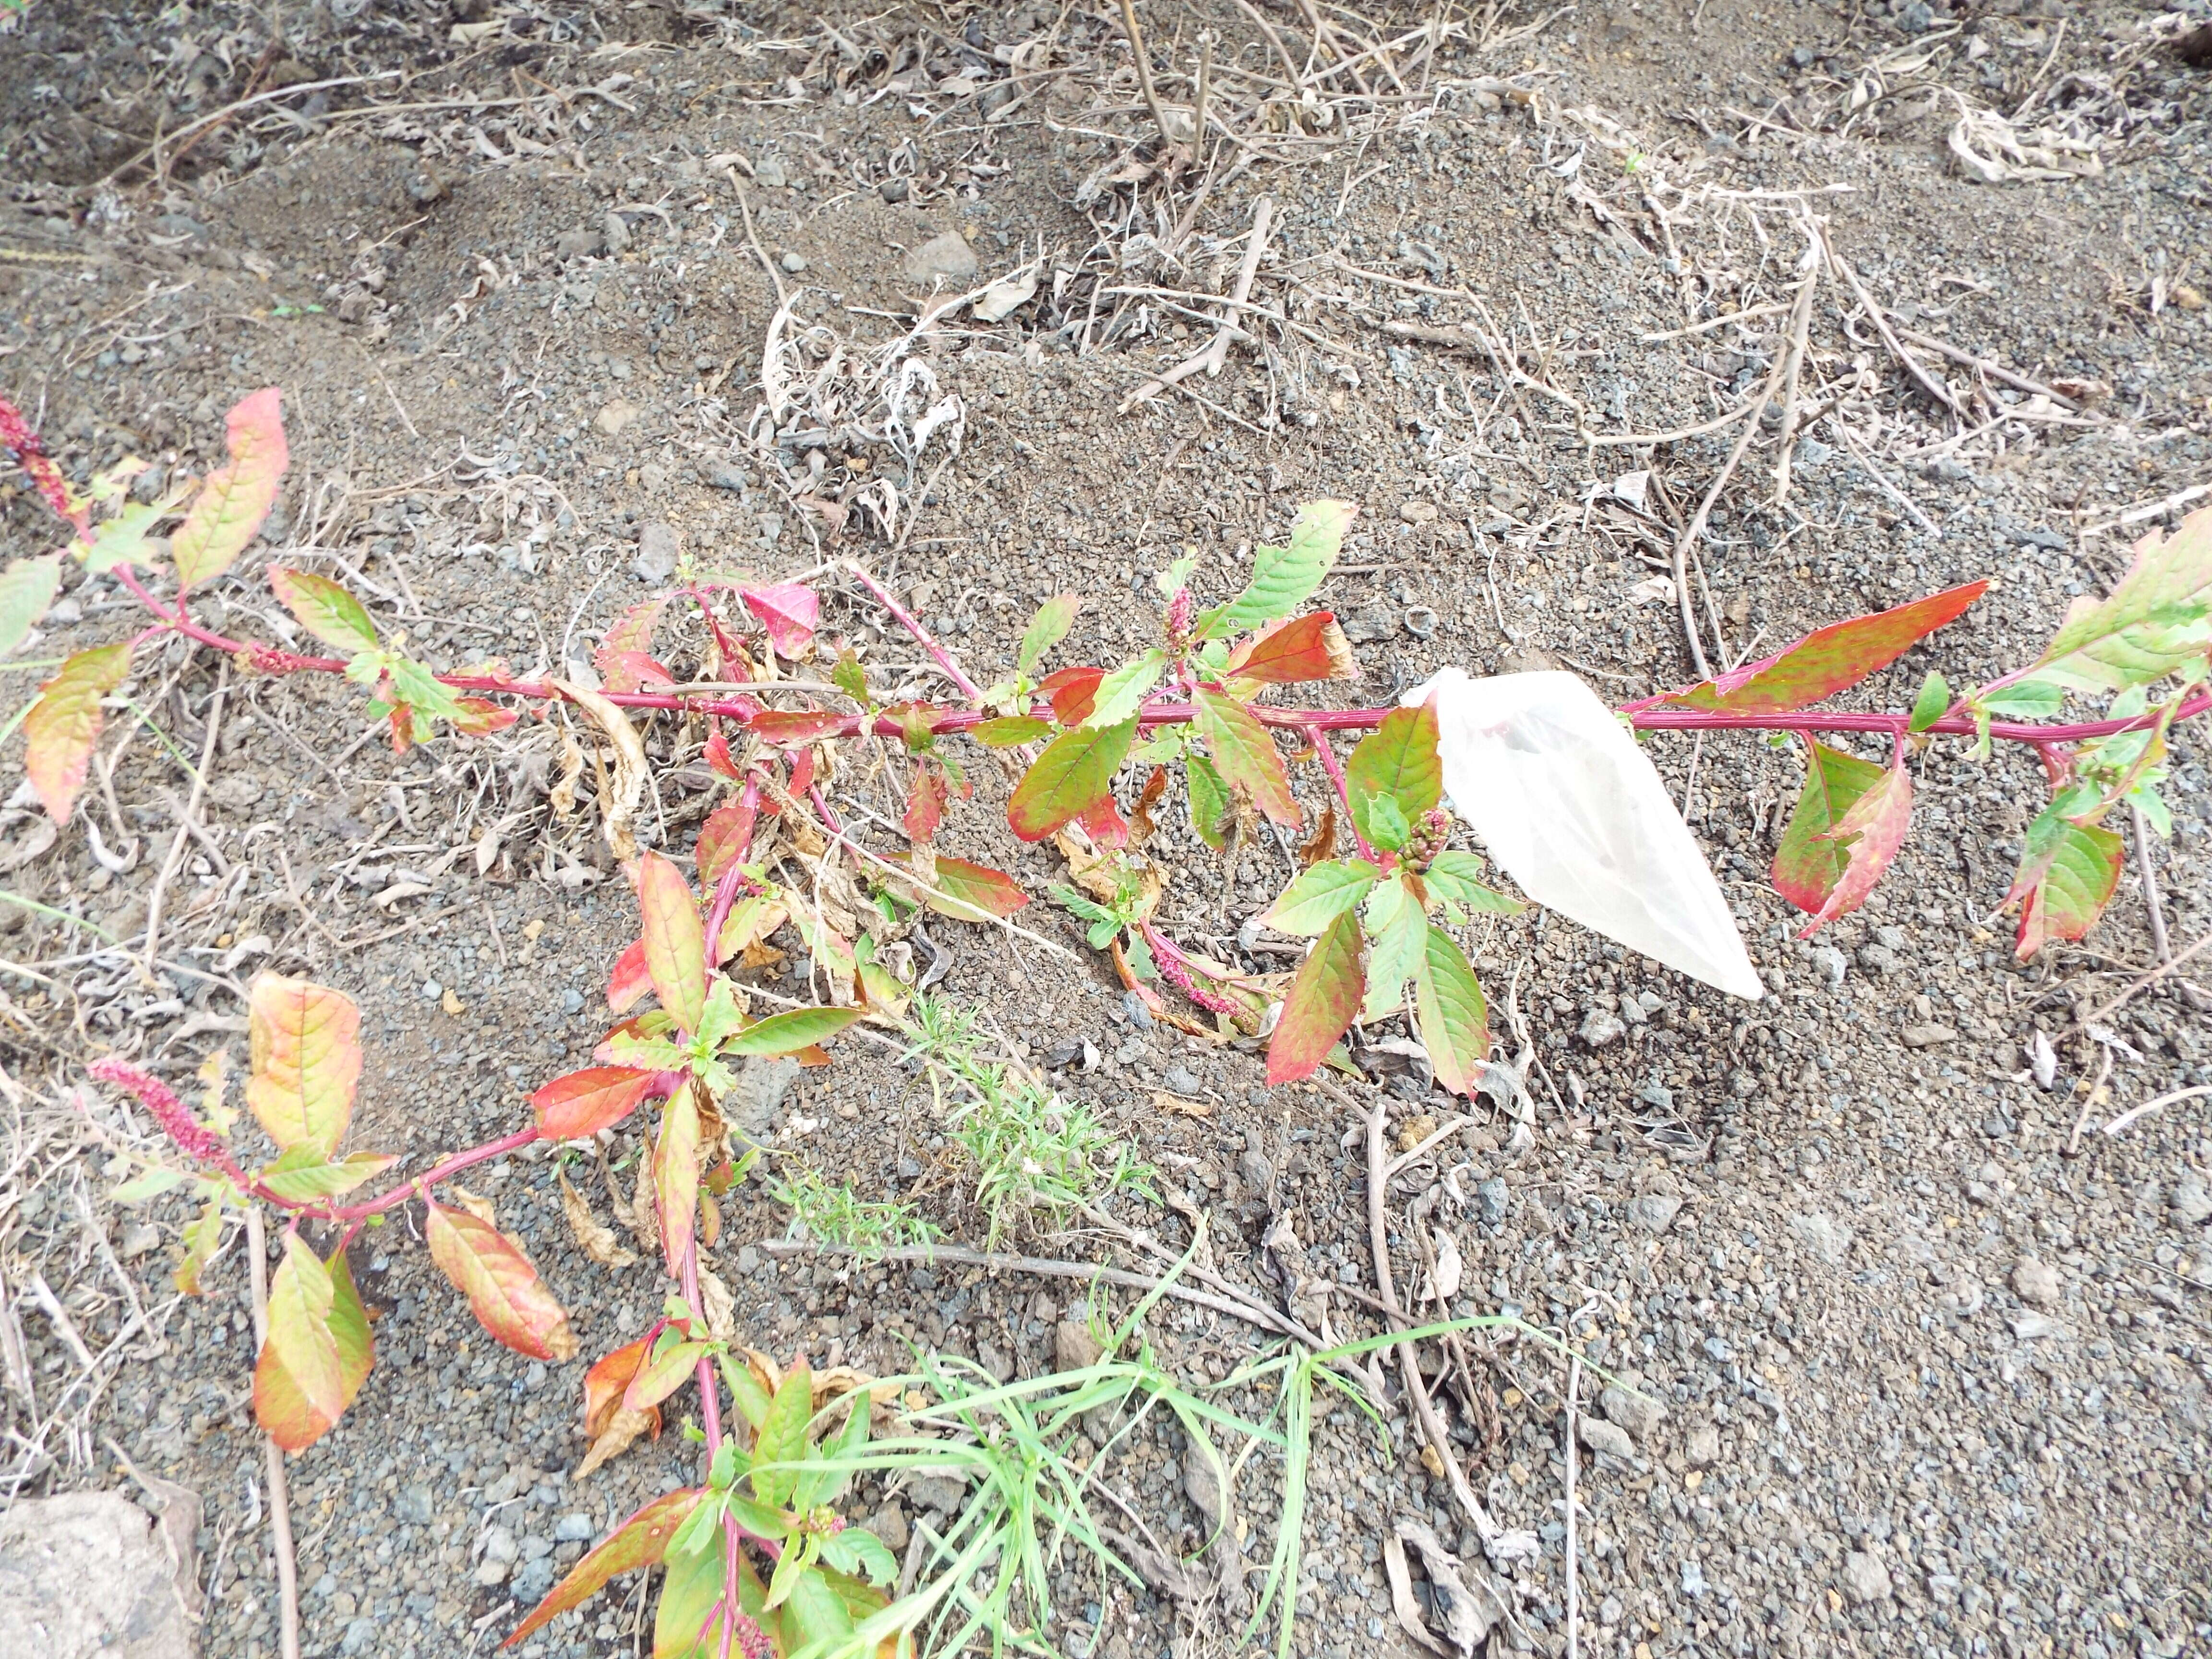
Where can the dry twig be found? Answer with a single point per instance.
(280, 1504)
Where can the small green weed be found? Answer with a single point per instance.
(837, 1215)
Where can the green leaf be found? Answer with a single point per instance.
(788, 1033)
(1211, 802)
(62, 725)
(1320, 895)
(1449, 1009)
(1869, 833)
(1398, 760)
(2159, 617)
(1454, 876)
(1935, 698)
(2067, 874)
(203, 1237)
(236, 498)
(796, 1562)
(851, 678)
(303, 1174)
(860, 1552)
(421, 690)
(1809, 864)
(782, 1438)
(1009, 731)
(149, 1182)
(1323, 996)
(1399, 930)
(123, 539)
(689, 1592)
(1122, 692)
(1828, 660)
(324, 608)
(1073, 775)
(1284, 578)
(1385, 826)
(752, 1399)
(2031, 699)
(662, 1375)
(1047, 628)
(815, 1612)
(1244, 754)
(26, 591)
(641, 1540)
(675, 939)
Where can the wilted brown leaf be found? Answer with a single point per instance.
(595, 1238)
(622, 1429)
(476, 1203)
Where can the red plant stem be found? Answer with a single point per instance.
(1329, 764)
(1309, 720)
(397, 1196)
(922, 634)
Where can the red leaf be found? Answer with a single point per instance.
(925, 807)
(236, 498)
(2068, 874)
(1807, 865)
(1104, 824)
(788, 610)
(675, 939)
(1322, 1001)
(632, 633)
(633, 670)
(1309, 648)
(582, 1104)
(478, 717)
(1870, 833)
(628, 981)
(1072, 778)
(1244, 754)
(64, 724)
(676, 1175)
(802, 773)
(607, 1380)
(974, 887)
(504, 1291)
(718, 755)
(640, 1541)
(1827, 659)
(727, 836)
(1071, 691)
(281, 1405)
(787, 726)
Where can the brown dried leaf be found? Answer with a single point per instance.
(621, 1433)
(595, 1238)
(563, 793)
(1177, 1103)
(476, 1205)
(717, 1307)
(618, 796)
(1321, 844)
(710, 1220)
(644, 1216)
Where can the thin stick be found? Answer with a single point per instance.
(1843, 430)
(1983, 365)
(229, 109)
(2151, 901)
(1214, 354)
(1409, 1369)
(1801, 322)
(2149, 1106)
(745, 211)
(1044, 1266)
(1574, 1611)
(2097, 1016)
(1290, 67)
(1934, 387)
(1144, 75)
(280, 1505)
(184, 826)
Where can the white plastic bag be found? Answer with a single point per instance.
(1572, 809)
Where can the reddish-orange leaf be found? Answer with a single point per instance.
(634, 671)
(504, 1292)
(2068, 874)
(974, 890)
(604, 1053)
(1309, 648)
(1071, 692)
(1244, 754)
(659, 1378)
(640, 1541)
(787, 726)
(606, 1382)
(1073, 777)
(1869, 833)
(675, 939)
(475, 717)
(234, 500)
(925, 807)
(64, 724)
(788, 610)
(1828, 660)
(717, 755)
(299, 1379)
(628, 981)
(1323, 999)
(1808, 864)
(725, 837)
(278, 1404)
(676, 1175)
(584, 1103)
(631, 635)
(305, 1043)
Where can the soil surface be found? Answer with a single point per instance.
(556, 293)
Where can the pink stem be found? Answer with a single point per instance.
(399, 1195)
(1319, 738)
(943, 661)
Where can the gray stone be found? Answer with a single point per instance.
(2035, 1283)
(2192, 1202)
(138, 1238)
(1601, 1027)
(947, 257)
(360, 1636)
(657, 548)
(1179, 1080)
(500, 1544)
(414, 1506)
(943, 1493)
(888, 1523)
(1865, 1578)
(576, 1526)
(614, 232)
(894, 189)
(768, 172)
(1599, 1435)
(1639, 1414)
(750, 1106)
(1073, 1347)
(1365, 627)
(87, 1573)
(1823, 1234)
(1654, 1211)
(724, 474)
(1490, 1200)
(576, 244)
(793, 264)
(1832, 963)
(1703, 1447)
(1876, 959)
(1927, 1036)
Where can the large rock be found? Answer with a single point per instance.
(88, 1573)
(948, 256)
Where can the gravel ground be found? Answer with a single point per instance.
(1923, 1371)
